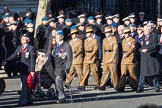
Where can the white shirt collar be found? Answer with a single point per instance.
(24, 45)
(59, 43)
(140, 35)
(94, 36)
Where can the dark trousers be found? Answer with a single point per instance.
(25, 95)
(160, 62)
(155, 81)
(11, 67)
(59, 87)
(98, 63)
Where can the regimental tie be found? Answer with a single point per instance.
(147, 38)
(23, 49)
(57, 48)
(120, 36)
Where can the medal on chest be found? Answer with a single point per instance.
(147, 42)
(161, 40)
(27, 55)
(141, 42)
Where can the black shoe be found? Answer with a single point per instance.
(102, 88)
(119, 89)
(22, 104)
(67, 85)
(29, 103)
(15, 75)
(157, 90)
(60, 101)
(134, 89)
(81, 88)
(96, 88)
(9, 75)
(139, 90)
(18, 91)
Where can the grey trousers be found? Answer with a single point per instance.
(59, 87)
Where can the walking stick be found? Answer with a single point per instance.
(71, 98)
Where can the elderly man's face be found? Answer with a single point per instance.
(120, 30)
(59, 38)
(24, 40)
(146, 31)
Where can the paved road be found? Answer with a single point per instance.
(85, 99)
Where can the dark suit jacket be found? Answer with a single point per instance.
(63, 64)
(48, 31)
(27, 58)
(99, 41)
(160, 45)
(119, 46)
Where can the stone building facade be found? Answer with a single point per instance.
(18, 5)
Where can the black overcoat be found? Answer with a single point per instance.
(149, 62)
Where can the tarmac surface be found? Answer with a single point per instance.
(81, 99)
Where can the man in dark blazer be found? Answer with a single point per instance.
(99, 53)
(149, 62)
(26, 61)
(62, 60)
(120, 37)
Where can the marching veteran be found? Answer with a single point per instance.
(26, 62)
(149, 61)
(62, 62)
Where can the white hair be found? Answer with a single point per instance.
(121, 27)
(147, 27)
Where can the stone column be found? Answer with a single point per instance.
(42, 11)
